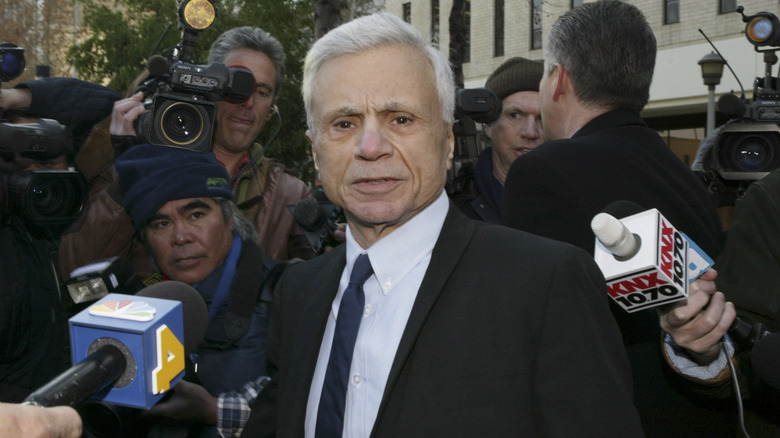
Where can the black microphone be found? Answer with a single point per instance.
(115, 342)
(732, 106)
(765, 358)
(157, 66)
(316, 224)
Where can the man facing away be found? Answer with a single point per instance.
(599, 61)
(410, 328)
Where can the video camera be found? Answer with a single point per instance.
(180, 111)
(748, 146)
(472, 106)
(48, 200)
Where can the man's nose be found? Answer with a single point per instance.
(373, 143)
(182, 235)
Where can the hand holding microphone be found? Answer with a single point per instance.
(699, 323)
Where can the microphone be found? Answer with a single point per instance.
(765, 359)
(645, 260)
(316, 224)
(732, 106)
(128, 349)
(157, 66)
(636, 291)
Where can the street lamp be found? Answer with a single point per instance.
(711, 72)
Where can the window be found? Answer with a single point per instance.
(536, 24)
(671, 11)
(727, 6)
(498, 28)
(407, 13)
(435, 23)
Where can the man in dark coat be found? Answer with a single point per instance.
(435, 338)
(598, 151)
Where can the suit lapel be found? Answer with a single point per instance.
(314, 317)
(456, 233)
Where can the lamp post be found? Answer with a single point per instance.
(711, 72)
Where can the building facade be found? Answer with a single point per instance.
(500, 29)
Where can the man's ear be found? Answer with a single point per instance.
(313, 151)
(450, 146)
(562, 84)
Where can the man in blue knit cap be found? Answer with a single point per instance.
(181, 205)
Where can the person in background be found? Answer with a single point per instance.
(598, 151)
(517, 131)
(185, 217)
(261, 186)
(747, 283)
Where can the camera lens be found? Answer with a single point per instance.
(53, 197)
(47, 196)
(182, 123)
(752, 155)
(750, 152)
(11, 61)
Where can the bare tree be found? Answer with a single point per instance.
(44, 28)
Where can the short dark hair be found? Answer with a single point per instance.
(609, 50)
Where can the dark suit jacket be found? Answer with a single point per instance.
(556, 189)
(510, 335)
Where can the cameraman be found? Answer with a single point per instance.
(32, 324)
(262, 188)
(516, 131)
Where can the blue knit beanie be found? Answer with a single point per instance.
(150, 176)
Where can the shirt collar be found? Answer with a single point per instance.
(397, 253)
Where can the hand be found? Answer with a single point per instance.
(339, 236)
(15, 99)
(699, 323)
(33, 421)
(188, 401)
(124, 115)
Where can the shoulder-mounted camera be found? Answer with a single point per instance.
(180, 109)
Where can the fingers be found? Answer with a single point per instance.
(124, 114)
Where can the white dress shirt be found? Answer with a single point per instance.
(399, 261)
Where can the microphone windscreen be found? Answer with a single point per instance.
(193, 307)
(732, 106)
(765, 358)
(623, 209)
(157, 65)
(309, 215)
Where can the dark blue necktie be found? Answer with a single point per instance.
(330, 415)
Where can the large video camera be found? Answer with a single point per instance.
(472, 106)
(45, 200)
(748, 146)
(180, 111)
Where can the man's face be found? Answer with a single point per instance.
(379, 140)
(518, 128)
(189, 238)
(239, 124)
